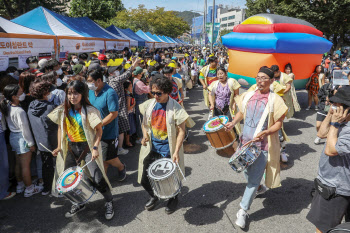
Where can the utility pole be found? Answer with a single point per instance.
(212, 27)
(205, 21)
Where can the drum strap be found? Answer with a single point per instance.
(82, 155)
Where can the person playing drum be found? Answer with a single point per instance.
(221, 95)
(263, 112)
(79, 136)
(163, 129)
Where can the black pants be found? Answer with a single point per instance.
(97, 177)
(48, 169)
(153, 156)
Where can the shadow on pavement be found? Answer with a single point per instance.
(291, 198)
(208, 203)
(295, 152)
(292, 127)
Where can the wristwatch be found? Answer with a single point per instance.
(95, 148)
(335, 124)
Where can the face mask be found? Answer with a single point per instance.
(59, 72)
(22, 97)
(116, 73)
(33, 65)
(92, 86)
(11, 74)
(177, 70)
(58, 82)
(75, 60)
(49, 96)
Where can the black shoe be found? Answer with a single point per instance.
(74, 210)
(151, 203)
(172, 205)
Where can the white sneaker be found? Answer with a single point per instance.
(20, 188)
(109, 210)
(317, 140)
(122, 151)
(34, 190)
(241, 218)
(284, 157)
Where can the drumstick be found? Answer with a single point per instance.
(86, 164)
(45, 148)
(180, 171)
(222, 123)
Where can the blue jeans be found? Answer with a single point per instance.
(253, 175)
(4, 167)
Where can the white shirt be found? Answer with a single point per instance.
(17, 121)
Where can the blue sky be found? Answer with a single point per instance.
(180, 5)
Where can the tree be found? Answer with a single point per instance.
(329, 16)
(12, 8)
(157, 21)
(99, 10)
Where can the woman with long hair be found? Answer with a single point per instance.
(289, 71)
(79, 135)
(313, 86)
(21, 138)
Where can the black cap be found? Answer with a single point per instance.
(342, 96)
(266, 70)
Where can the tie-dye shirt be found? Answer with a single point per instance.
(75, 130)
(255, 109)
(160, 143)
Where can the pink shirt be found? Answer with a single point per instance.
(141, 88)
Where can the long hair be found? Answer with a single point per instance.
(9, 91)
(322, 69)
(25, 79)
(82, 89)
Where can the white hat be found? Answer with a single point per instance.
(42, 63)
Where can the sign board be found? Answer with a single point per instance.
(13, 47)
(82, 46)
(116, 45)
(340, 77)
(22, 61)
(4, 63)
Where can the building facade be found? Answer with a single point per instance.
(230, 17)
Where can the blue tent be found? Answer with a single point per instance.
(144, 36)
(133, 35)
(167, 40)
(75, 35)
(117, 31)
(44, 20)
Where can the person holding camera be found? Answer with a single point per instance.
(332, 197)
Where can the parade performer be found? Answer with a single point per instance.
(79, 135)
(267, 110)
(177, 84)
(208, 75)
(222, 94)
(313, 86)
(289, 71)
(163, 129)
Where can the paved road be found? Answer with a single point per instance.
(210, 196)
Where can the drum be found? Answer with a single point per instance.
(164, 177)
(218, 137)
(244, 157)
(74, 184)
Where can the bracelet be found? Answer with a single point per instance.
(95, 148)
(335, 124)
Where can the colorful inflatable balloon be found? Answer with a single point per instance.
(267, 39)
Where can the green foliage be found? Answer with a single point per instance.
(187, 15)
(99, 10)
(13, 8)
(157, 21)
(329, 16)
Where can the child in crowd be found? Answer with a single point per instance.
(21, 138)
(130, 104)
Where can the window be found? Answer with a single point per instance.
(232, 17)
(223, 25)
(231, 24)
(224, 19)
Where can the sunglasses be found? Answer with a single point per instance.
(157, 93)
